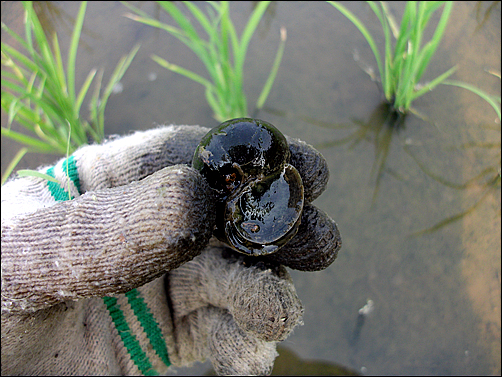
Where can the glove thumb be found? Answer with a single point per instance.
(107, 241)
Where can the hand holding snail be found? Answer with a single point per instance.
(114, 276)
(260, 194)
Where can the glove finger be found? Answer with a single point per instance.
(133, 157)
(316, 244)
(233, 351)
(312, 167)
(211, 332)
(260, 297)
(107, 241)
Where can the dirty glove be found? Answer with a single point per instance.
(84, 283)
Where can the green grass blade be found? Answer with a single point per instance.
(182, 71)
(28, 27)
(429, 8)
(83, 91)
(44, 105)
(407, 77)
(39, 146)
(116, 76)
(59, 69)
(13, 104)
(28, 64)
(430, 48)
(155, 23)
(273, 72)
(134, 9)
(182, 21)
(17, 37)
(32, 121)
(14, 107)
(363, 31)
(238, 96)
(492, 100)
(16, 72)
(427, 88)
(12, 165)
(72, 53)
(94, 102)
(234, 39)
(198, 46)
(46, 57)
(225, 33)
(192, 40)
(403, 33)
(400, 49)
(390, 19)
(199, 16)
(387, 80)
(240, 55)
(219, 112)
(37, 174)
(215, 104)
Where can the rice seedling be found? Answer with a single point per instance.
(405, 60)
(222, 53)
(40, 96)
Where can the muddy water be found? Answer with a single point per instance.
(418, 205)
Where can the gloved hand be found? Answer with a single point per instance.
(121, 279)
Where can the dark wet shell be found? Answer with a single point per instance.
(237, 148)
(261, 195)
(320, 233)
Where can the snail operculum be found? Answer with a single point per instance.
(246, 161)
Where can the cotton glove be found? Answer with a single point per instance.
(121, 280)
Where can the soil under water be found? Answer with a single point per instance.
(418, 206)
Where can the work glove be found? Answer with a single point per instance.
(112, 270)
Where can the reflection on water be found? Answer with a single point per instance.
(487, 183)
(436, 295)
(482, 16)
(361, 317)
(382, 124)
(288, 363)
(54, 17)
(378, 130)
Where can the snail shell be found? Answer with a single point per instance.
(260, 194)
